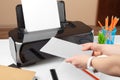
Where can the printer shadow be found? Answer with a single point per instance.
(51, 61)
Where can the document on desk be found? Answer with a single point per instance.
(9, 73)
(66, 71)
(62, 48)
(40, 14)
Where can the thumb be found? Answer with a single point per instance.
(69, 60)
(97, 53)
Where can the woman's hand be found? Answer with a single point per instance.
(110, 64)
(79, 61)
(102, 49)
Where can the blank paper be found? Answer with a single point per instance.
(67, 71)
(62, 48)
(40, 14)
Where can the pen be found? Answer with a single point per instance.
(54, 74)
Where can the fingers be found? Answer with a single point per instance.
(92, 46)
(88, 46)
(97, 53)
(75, 63)
(84, 48)
(79, 61)
(69, 60)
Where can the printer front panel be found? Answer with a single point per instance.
(15, 49)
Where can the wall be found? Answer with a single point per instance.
(83, 10)
(7, 12)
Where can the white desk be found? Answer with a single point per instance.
(42, 68)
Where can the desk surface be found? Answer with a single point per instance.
(5, 29)
(42, 68)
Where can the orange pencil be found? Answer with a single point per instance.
(112, 22)
(90, 74)
(111, 18)
(106, 23)
(100, 24)
(115, 22)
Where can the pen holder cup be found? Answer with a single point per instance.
(109, 35)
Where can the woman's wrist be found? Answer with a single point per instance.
(90, 64)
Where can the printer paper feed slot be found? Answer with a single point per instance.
(40, 35)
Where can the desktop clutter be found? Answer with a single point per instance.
(107, 33)
(39, 21)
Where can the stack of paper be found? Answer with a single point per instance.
(9, 73)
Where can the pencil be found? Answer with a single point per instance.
(114, 22)
(111, 23)
(111, 19)
(90, 74)
(100, 24)
(106, 23)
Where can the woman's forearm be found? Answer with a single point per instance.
(108, 65)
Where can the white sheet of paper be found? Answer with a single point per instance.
(40, 35)
(62, 48)
(67, 71)
(40, 14)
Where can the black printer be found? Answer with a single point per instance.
(26, 52)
